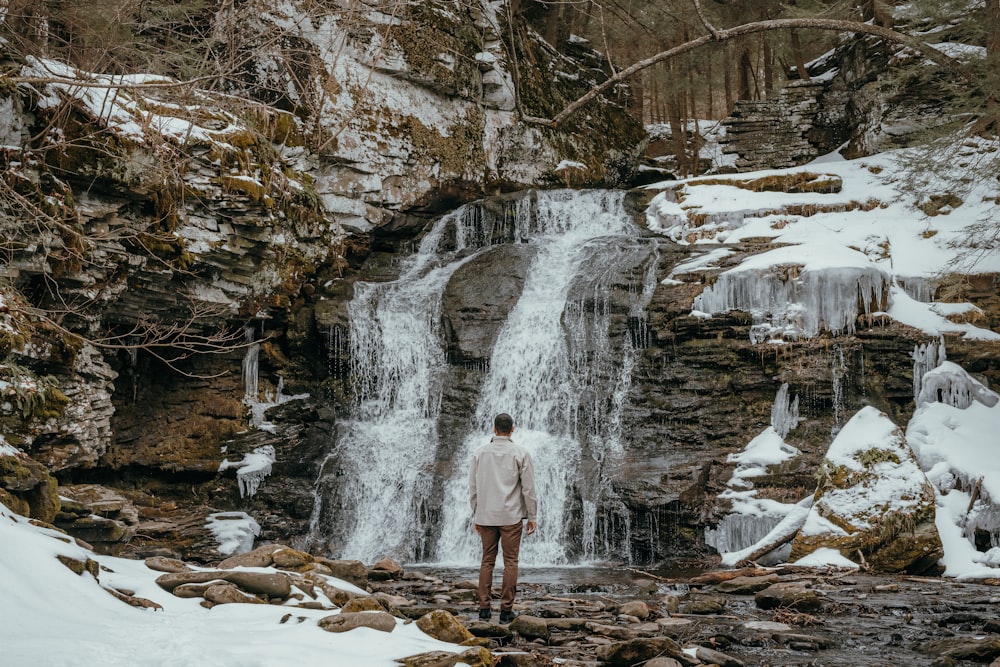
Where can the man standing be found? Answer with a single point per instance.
(502, 492)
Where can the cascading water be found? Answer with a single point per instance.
(554, 366)
(371, 504)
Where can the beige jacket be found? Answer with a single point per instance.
(502, 484)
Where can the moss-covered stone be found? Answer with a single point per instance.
(24, 478)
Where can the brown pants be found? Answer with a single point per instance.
(509, 538)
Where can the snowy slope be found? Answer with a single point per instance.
(51, 617)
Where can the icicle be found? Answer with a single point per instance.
(784, 415)
(950, 384)
(250, 366)
(790, 300)
(926, 358)
(253, 469)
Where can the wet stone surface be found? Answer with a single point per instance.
(575, 617)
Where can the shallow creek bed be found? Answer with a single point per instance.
(766, 617)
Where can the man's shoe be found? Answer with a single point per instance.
(507, 615)
(486, 614)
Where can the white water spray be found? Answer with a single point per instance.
(553, 363)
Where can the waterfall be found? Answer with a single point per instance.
(555, 370)
(373, 502)
(555, 367)
(838, 374)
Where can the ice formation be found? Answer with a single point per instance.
(798, 291)
(784, 413)
(754, 518)
(926, 358)
(252, 469)
(234, 531)
(950, 384)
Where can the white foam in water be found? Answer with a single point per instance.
(389, 443)
(553, 367)
(535, 376)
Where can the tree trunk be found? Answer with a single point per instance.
(744, 68)
(678, 133)
(727, 78)
(768, 56)
(800, 63)
(552, 24)
(993, 28)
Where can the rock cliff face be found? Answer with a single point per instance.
(143, 227)
(149, 228)
(852, 99)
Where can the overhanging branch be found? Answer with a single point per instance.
(836, 25)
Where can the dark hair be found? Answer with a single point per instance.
(503, 423)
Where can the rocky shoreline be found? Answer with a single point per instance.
(617, 617)
(757, 616)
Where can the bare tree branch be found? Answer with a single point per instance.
(704, 19)
(837, 25)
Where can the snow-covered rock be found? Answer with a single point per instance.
(873, 501)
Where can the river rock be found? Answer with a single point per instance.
(982, 649)
(673, 626)
(477, 657)
(567, 624)
(191, 590)
(290, 559)
(271, 584)
(662, 662)
(79, 566)
(612, 631)
(386, 568)
(362, 604)
(530, 627)
(376, 620)
(746, 585)
(439, 624)
(766, 626)
(172, 580)
(628, 653)
(789, 595)
(874, 498)
(229, 594)
(636, 608)
(647, 586)
(259, 557)
(703, 605)
(390, 601)
(351, 571)
(712, 657)
(492, 630)
(165, 564)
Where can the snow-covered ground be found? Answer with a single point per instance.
(51, 617)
